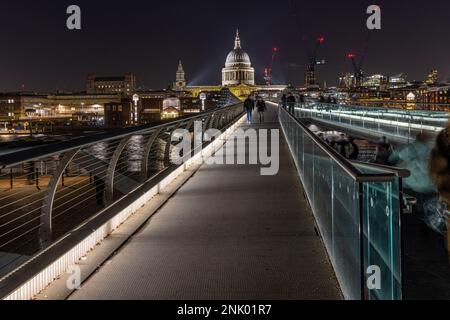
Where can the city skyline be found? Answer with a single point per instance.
(148, 40)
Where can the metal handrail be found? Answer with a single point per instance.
(399, 172)
(386, 110)
(345, 164)
(11, 160)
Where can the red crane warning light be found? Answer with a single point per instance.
(268, 70)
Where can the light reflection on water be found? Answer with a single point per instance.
(134, 152)
(130, 160)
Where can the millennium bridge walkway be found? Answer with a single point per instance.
(116, 214)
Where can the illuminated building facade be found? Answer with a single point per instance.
(23, 106)
(118, 114)
(398, 81)
(238, 68)
(432, 77)
(346, 81)
(375, 82)
(124, 85)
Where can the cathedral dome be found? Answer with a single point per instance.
(238, 68)
(238, 58)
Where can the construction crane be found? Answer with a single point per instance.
(310, 74)
(358, 66)
(268, 70)
(312, 60)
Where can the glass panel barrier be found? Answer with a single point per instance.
(399, 123)
(346, 233)
(382, 237)
(357, 210)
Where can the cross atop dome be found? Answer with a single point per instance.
(237, 42)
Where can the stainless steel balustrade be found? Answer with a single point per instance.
(397, 123)
(82, 177)
(357, 208)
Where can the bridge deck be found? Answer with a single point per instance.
(229, 233)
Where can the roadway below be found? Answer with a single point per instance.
(229, 234)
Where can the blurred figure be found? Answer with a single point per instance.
(440, 165)
(440, 173)
(352, 149)
(249, 105)
(383, 152)
(415, 157)
(284, 101)
(340, 145)
(321, 136)
(261, 107)
(291, 103)
(332, 143)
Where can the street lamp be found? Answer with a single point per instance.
(203, 98)
(136, 100)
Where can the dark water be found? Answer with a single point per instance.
(132, 154)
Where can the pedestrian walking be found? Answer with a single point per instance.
(261, 107)
(249, 105)
(291, 103)
(284, 101)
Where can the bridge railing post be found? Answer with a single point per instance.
(109, 179)
(146, 156)
(46, 225)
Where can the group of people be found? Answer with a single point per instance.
(346, 147)
(288, 102)
(250, 104)
(327, 99)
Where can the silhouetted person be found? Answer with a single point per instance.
(291, 103)
(383, 152)
(340, 145)
(261, 107)
(249, 104)
(353, 153)
(284, 101)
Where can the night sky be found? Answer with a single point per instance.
(148, 38)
